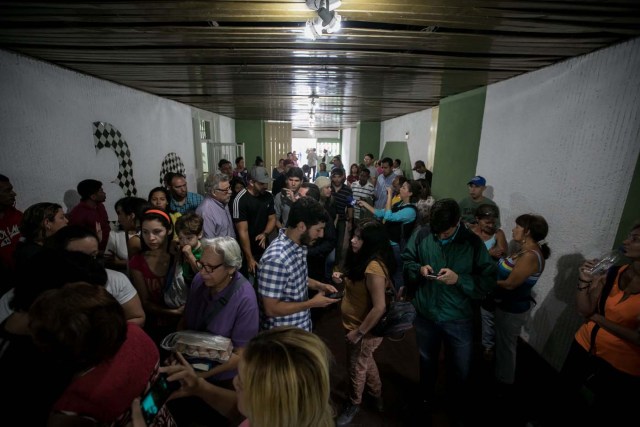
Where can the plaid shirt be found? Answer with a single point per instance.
(190, 205)
(283, 275)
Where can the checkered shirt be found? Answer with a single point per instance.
(283, 275)
(193, 201)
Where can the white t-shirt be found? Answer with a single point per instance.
(119, 285)
(5, 311)
(117, 244)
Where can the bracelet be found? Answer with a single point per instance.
(360, 333)
(584, 281)
(582, 288)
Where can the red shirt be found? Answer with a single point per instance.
(86, 215)
(9, 236)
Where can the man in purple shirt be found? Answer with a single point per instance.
(214, 209)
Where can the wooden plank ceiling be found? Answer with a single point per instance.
(250, 59)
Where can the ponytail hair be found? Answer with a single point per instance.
(538, 228)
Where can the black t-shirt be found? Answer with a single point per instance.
(255, 211)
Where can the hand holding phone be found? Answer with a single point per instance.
(156, 397)
(335, 295)
(431, 277)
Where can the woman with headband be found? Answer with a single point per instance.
(148, 271)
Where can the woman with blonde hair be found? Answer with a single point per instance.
(283, 380)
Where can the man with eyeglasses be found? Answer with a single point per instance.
(214, 209)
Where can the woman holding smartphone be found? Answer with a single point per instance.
(289, 360)
(370, 265)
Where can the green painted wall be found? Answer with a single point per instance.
(367, 139)
(398, 150)
(251, 133)
(631, 212)
(457, 143)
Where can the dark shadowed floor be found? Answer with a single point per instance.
(533, 401)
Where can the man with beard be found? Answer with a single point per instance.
(283, 280)
(90, 212)
(182, 200)
(255, 218)
(214, 210)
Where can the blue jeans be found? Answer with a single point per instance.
(398, 278)
(457, 336)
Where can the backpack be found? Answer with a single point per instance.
(397, 319)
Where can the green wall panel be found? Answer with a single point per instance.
(251, 133)
(368, 140)
(457, 143)
(398, 150)
(631, 212)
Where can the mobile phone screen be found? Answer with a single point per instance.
(431, 277)
(156, 397)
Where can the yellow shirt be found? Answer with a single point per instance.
(356, 302)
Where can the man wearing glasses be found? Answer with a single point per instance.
(214, 209)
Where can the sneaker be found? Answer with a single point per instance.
(347, 415)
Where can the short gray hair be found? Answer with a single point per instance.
(213, 181)
(226, 246)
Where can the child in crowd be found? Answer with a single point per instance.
(189, 230)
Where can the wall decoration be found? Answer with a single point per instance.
(106, 135)
(171, 163)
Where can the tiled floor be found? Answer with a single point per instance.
(522, 405)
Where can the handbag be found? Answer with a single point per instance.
(397, 319)
(175, 290)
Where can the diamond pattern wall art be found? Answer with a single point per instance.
(171, 163)
(107, 136)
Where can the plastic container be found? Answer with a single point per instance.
(606, 261)
(199, 345)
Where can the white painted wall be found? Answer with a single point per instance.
(350, 148)
(418, 125)
(563, 142)
(46, 132)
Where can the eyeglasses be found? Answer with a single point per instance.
(207, 268)
(223, 190)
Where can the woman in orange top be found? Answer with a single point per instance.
(605, 356)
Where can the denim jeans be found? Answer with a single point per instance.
(488, 318)
(398, 278)
(457, 337)
(508, 327)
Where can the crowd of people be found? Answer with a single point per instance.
(85, 306)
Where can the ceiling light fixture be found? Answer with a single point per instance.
(328, 19)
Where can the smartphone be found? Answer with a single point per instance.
(431, 277)
(335, 295)
(156, 397)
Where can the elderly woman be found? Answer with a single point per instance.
(222, 302)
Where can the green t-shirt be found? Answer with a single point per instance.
(187, 271)
(468, 209)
